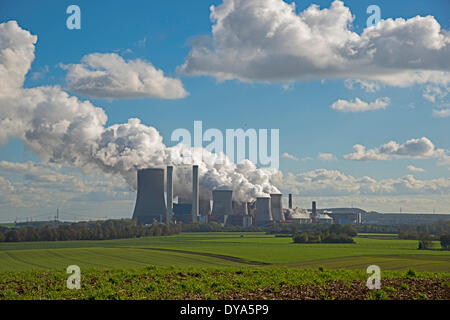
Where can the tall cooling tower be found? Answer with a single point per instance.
(222, 203)
(263, 212)
(240, 208)
(150, 195)
(276, 207)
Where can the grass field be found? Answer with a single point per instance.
(222, 250)
(223, 266)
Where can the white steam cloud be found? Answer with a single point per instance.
(63, 129)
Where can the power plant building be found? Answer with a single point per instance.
(151, 205)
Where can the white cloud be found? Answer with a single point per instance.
(360, 106)
(368, 86)
(266, 40)
(289, 156)
(414, 169)
(110, 76)
(421, 148)
(433, 93)
(326, 157)
(16, 55)
(441, 113)
(329, 183)
(43, 185)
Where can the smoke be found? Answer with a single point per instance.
(61, 128)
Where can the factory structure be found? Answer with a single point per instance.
(155, 203)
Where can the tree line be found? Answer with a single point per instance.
(97, 230)
(334, 233)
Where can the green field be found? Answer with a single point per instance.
(222, 250)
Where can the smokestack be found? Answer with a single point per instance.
(290, 200)
(195, 196)
(263, 212)
(169, 193)
(222, 204)
(276, 206)
(314, 209)
(150, 203)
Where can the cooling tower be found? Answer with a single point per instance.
(195, 197)
(169, 193)
(290, 200)
(276, 207)
(204, 207)
(150, 196)
(263, 212)
(222, 202)
(240, 208)
(184, 200)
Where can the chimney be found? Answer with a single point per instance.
(169, 193)
(290, 200)
(314, 209)
(195, 196)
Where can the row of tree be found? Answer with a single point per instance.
(98, 230)
(332, 234)
(426, 241)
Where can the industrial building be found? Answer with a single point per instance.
(155, 203)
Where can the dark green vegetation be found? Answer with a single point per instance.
(332, 234)
(98, 230)
(222, 283)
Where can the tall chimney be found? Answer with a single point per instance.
(195, 196)
(314, 209)
(169, 193)
(290, 200)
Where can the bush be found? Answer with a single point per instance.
(410, 273)
(332, 234)
(338, 238)
(445, 241)
(425, 244)
(301, 238)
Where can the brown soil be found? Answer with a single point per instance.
(393, 289)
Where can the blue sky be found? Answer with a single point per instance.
(162, 33)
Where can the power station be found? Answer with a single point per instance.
(155, 205)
